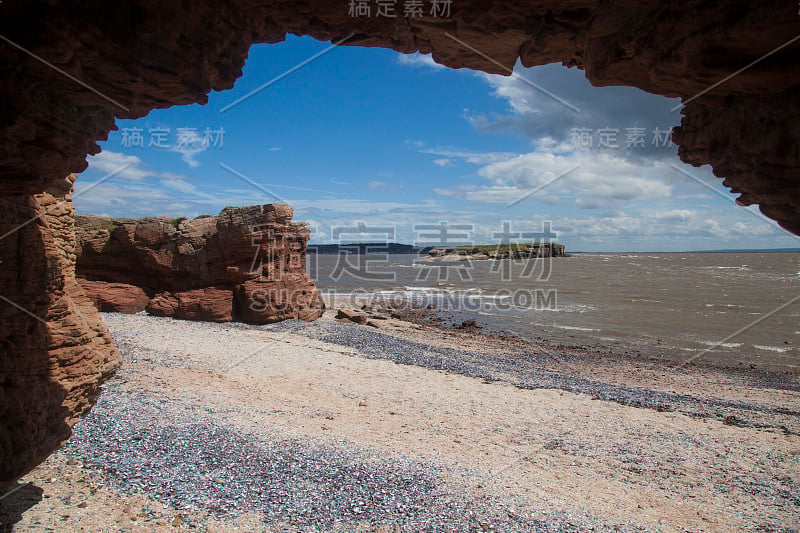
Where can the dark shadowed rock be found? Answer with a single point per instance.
(55, 351)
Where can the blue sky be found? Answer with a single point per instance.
(363, 135)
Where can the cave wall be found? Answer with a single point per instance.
(55, 352)
(143, 54)
(131, 56)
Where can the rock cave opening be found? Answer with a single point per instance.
(72, 70)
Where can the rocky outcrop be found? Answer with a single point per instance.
(115, 297)
(246, 264)
(71, 68)
(55, 351)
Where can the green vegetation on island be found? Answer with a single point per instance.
(517, 250)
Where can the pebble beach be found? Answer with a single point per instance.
(333, 426)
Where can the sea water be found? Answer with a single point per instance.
(721, 308)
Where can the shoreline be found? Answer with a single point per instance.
(448, 321)
(515, 436)
(624, 303)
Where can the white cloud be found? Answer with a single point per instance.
(121, 165)
(534, 113)
(594, 180)
(383, 186)
(521, 97)
(419, 60)
(376, 213)
(129, 167)
(476, 158)
(188, 153)
(179, 185)
(443, 162)
(127, 199)
(661, 229)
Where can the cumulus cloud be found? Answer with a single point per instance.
(664, 229)
(639, 121)
(592, 180)
(123, 166)
(653, 230)
(623, 178)
(418, 60)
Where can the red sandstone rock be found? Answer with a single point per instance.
(143, 55)
(197, 266)
(55, 351)
(349, 314)
(115, 297)
(209, 304)
(262, 301)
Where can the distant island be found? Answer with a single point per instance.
(365, 248)
(477, 252)
(521, 250)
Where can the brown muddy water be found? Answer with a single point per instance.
(676, 306)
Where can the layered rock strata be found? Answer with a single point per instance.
(246, 264)
(55, 351)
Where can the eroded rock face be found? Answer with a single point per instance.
(115, 297)
(209, 304)
(55, 351)
(246, 264)
(143, 54)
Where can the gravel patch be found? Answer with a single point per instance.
(190, 459)
(197, 461)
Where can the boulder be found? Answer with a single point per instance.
(262, 301)
(115, 297)
(210, 304)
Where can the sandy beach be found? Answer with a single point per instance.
(331, 426)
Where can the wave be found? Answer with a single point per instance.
(742, 267)
(723, 344)
(779, 349)
(573, 328)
